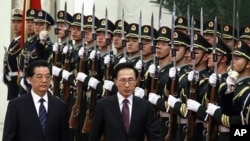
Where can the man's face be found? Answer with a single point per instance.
(88, 35)
(101, 39)
(126, 82)
(209, 37)
(200, 56)
(40, 81)
(16, 26)
(210, 63)
(117, 40)
(132, 45)
(146, 47)
(30, 25)
(163, 49)
(76, 33)
(40, 26)
(239, 63)
(61, 29)
(180, 52)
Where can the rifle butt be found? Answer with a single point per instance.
(74, 117)
(87, 123)
(211, 129)
(56, 86)
(171, 135)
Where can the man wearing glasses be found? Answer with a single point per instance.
(124, 114)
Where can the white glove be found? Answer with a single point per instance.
(139, 92)
(122, 60)
(92, 54)
(138, 65)
(213, 79)
(55, 47)
(172, 100)
(23, 84)
(153, 98)
(151, 70)
(56, 71)
(93, 82)
(173, 71)
(65, 74)
(193, 105)
(43, 35)
(81, 52)
(65, 49)
(230, 84)
(233, 74)
(81, 76)
(107, 60)
(191, 75)
(211, 108)
(108, 85)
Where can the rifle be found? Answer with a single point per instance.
(67, 63)
(174, 86)
(93, 96)
(74, 116)
(141, 79)
(57, 59)
(109, 68)
(123, 37)
(212, 125)
(192, 91)
(6, 67)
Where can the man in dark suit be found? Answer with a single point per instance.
(118, 120)
(37, 116)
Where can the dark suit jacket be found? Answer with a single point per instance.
(22, 122)
(108, 121)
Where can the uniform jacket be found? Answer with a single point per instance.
(22, 122)
(108, 121)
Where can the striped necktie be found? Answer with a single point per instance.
(125, 114)
(42, 114)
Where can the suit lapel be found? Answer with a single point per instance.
(114, 105)
(51, 108)
(135, 111)
(30, 106)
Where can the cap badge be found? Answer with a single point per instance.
(133, 27)
(78, 16)
(195, 37)
(175, 35)
(210, 24)
(103, 22)
(164, 31)
(247, 30)
(89, 19)
(145, 30)
(226, 28)
(61, 14)
(180, 20)
(32, 12)
(239, 44)
(120, 24)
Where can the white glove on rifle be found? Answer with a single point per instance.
(172, 100)
(23, 84)
(122, 60)
(138, 65)
(43, 35)
(193, 105)
(65, 49)
(108, 85)
(81, 52)
(56, 71)
(139, 92)
(173, 71)
(211, 108)
(153, 98)
(213, 79)
(93, 82)
(151, 70)
(193, 74)
(55, 47)
(65, 74)
(92, 54)
(107, 60)
(81, 76)
(231, 80)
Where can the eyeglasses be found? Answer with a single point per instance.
(40, 76)
(124, 81)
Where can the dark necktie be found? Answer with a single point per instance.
(42, 114)
(125, 114)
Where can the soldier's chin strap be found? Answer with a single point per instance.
(200, 59)
(244, 66)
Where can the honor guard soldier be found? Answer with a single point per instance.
(208, 32)
(132, 43)
(10, 65)
(223, 53)
(181, 24)
(30, 16)
(163, 54)
(199, 70)
(237, 91)
(39, 46)
(245, 34)
(229, 35)
(119, 41)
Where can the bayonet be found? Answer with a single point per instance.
(188, 20)
(214, 46)
(93, 26)
(172, 36)
(82, 31)
(139, 35)
(106, 30)
(65, 24)
(160, 11)
(237, 26)
(201, 21)
(192, 44)
(123, 36)
(55, 16)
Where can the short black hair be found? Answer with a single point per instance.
(37, 63)
(124, 66)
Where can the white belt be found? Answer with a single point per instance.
(223, 129)
(185, 121)
(164, 114)
(13, 73)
